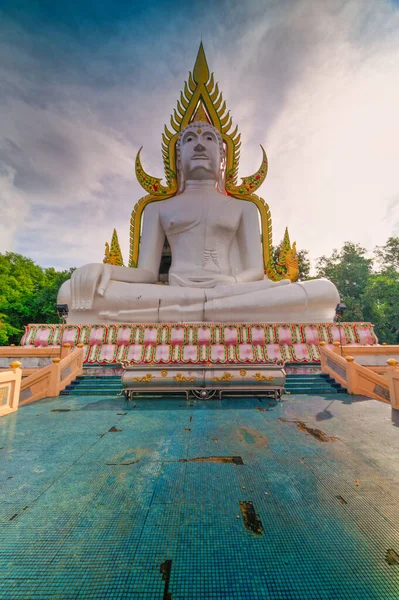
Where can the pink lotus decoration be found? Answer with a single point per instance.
(204, 336)
(177, 336)
(97, 336)
(311, 334)
(190, 353)
(42, 337)
(218, 353)
(164, 342)
(338, 334)
(124, 336)
(230, 335)
(107, 353)
(364, 334)
(273, 352)
(150, 337)
(245, 352)
(163, 353)
(301, 352)
(284, 335)
(258, 336)
(70, 336)
(136, 353)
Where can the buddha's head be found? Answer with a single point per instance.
(200, 154)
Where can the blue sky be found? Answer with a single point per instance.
(85, 84)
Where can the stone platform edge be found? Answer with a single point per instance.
(196, 343)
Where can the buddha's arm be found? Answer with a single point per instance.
(94, 278)
(152, 241)
(151, 245)
(250, 247)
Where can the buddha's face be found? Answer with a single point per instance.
(200, 153)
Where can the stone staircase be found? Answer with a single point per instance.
(94, 385)
(312, 384)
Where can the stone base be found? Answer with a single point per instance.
(196, 343)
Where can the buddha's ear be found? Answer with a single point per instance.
(222, 174)
(180, 175)
(224, 158)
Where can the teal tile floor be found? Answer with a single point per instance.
(98, 502)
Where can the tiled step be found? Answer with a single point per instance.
(318, 383)
(296, 384)
(88, 385)
(77, 392)
(314, 392)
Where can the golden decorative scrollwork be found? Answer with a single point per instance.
(260, 377)
(146, 379)
(243, 372)
(250, 184)
(164, 373)
(226, 377)
(179, 378)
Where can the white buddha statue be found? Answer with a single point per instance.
(217, 272)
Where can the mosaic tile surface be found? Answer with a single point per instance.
(107, 500)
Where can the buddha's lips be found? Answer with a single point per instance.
(200, 157)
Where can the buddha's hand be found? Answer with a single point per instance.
(86, 281)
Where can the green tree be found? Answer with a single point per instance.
(28, 294)
(381, 305)
(369, 295)
(388, 255)
(349, 269)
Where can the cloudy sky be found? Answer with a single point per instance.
(84, 84)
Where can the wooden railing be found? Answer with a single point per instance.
(393, 381)
(373, 357)
(50, 380)
(10, 385)
(31, 359)
(359, 379)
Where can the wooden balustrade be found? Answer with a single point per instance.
(10, 385)
(360, 379)
(50, 380)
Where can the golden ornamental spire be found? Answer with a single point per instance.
(113, 255)
(287, 264)
(201, 69)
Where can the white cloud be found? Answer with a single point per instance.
(13, 209)
(332, 144)
(314, 82)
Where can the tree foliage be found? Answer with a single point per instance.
(388, 255)
(368, 286)
(349, 270)
(28, 294)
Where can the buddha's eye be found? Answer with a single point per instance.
(189, 139)
(209, 137)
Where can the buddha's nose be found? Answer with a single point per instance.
(199, 148)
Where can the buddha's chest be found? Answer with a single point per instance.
(210, 217)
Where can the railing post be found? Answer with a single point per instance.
(337, 347)
(351, 376)
(322, 356)
(65, 350)
(55, 377)
(81, 346)
(16, 390)
(393, 381)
